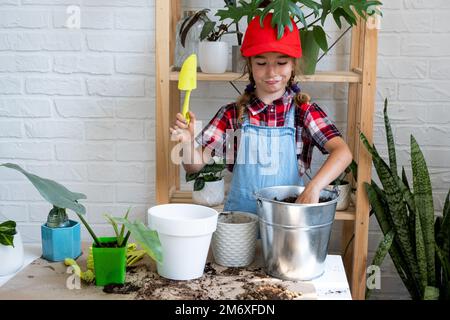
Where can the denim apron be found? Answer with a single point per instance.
(266, 157)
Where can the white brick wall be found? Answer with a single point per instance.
(78, 106)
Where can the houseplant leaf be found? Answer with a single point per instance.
(395, 204)
(52, 191)
(421, 255)
(320, 37)
(199, 184)
(147, 239)
(7, 232)
(380, 207)
(390, 140)
(424, 205)
(281, 18)
(208, 28)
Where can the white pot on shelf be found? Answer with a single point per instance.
(212, 194)
(344, 195)
(11, 258)
(213, 56)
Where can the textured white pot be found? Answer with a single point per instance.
(211, 195)
(344, 196)
(234, 241)
(11, 258)
(213, 56)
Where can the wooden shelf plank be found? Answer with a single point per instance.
(186, 197)
(324, 76)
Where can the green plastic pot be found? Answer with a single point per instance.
(310, 52)
(109, 263)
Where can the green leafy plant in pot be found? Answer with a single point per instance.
(11, 248)
(417, 241)
(212, 52)
(60, 236)
(235, 13)
(311, 17)
(209, 185)
(110, 253)
(343, 186)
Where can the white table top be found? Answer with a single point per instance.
(332, 285)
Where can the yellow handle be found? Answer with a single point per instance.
(186, 106)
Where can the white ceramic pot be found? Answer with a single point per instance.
(11, 258)
(344, 196)
(234, 241)
(211, 195)
(213, 56)
(185, 232)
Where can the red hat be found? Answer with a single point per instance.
(259, 39)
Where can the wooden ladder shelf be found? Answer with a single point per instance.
(361, 79)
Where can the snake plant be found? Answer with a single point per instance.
(418, 244)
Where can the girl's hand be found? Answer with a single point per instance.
(180, 131)
(309, 195)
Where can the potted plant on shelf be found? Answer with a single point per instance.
(110, 253)
(11, 248)
(235, 13)
(310, 18)
(212, 52)
(417, 241)
(313, 37)
(344, 187)
(60, 235)
(209, 186)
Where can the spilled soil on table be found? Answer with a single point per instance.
(217, 282)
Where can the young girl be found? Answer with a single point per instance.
(275, 121)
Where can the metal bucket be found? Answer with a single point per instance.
(294, 237)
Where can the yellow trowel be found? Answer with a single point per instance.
(188, 81)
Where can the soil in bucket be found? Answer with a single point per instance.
(293, 199)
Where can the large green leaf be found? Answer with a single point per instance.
(52, 191)
(207, 29)
(423, 200)
(147, 239)
(281, 15)
(326, 9)
(236, 13)
(320, 37)
(7, 232)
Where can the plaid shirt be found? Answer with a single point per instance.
(313, 128)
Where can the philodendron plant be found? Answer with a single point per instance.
(7, 232)
(61, 199)
(209, 173)
(418, 243)
(146, 238)
(56, 194)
